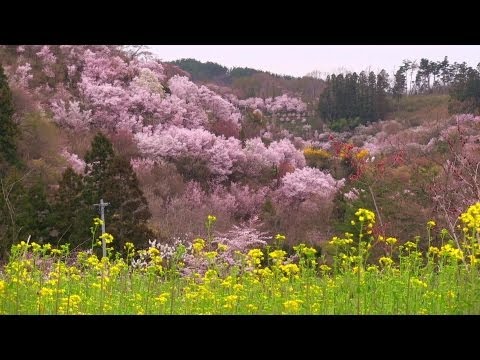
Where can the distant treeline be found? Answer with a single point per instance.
(248, 82)
(352, 99)
(210, 71)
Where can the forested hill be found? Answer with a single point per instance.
(248, 82)
(169, 144)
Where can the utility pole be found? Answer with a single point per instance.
(102, 206)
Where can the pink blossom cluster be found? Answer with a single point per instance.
(130, 94)
(120, 94)
(71, 115)
(260, 156)
(214, 104)
(248, 201)
(74, 161)
(23, 75)
(102, 67)
(240, 201)
(283, 103)
(222, 154)
(142, 166)
(352, 195)
(241, 239)
(107, 89)
(308, 182)
(48, 59)
(466, 118)
(253, 103)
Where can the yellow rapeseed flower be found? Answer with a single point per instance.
(419, 283)
(431, 224)
(365, 215)
(256, 256)
(211, 255)
(473, 259)
(238, 287)
(471, 218)
(107, 237)
(211, 219)
(391, 240)
(153, 252)
(410, 245)
(290, 269)
(278, 255)
(46, 292)
(36, 247)
(325, 267)
(449, 251)
(385, 261)
(309, 251)
(222, 247)
(162, 298)
(433, 250)
(198, 245)
(280, 237)
(292, 305)
(129, 246)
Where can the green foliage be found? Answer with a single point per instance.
(465, 93)
(210, 71)
(411, 104)
(12, 193)
(343, 124)
(400, 85)
(36, 217)
(24, 210)
(128, 212)
(73, 213)
(354, 96)
(97, 161)
(8, 128)
(238, 72)
(202, 71)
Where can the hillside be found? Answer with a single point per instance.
(250, 83)
(199, 145)
(234, 191)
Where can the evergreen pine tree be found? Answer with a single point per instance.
(97, 161)
(34, 214)
(73, 216)
(8, 128)
(111, 178)
(128, 212)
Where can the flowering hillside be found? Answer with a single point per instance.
(81, 123)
